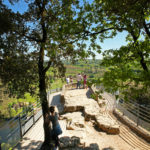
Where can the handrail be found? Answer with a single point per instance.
(137, 114)
(140, 114)
(135, 111)
(137, 105)
(138, 109)
(8, 138)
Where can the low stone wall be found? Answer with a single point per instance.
(107, 124)
(145, 135)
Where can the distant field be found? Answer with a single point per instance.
(91, 68)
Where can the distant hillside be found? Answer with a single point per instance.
(89, 67)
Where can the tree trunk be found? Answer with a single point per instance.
(142, 62)
(44, 102)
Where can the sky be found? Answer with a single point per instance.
(114, 43)
(20, 6)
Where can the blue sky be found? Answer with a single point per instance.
(20, 6)
(113, 43)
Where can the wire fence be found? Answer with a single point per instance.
(14, 130)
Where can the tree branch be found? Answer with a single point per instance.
(146, 28)
(88, 33)
(32, 38)
(48, 66)
(95, 33)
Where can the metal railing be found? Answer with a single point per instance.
(13, 131)
(137, 113)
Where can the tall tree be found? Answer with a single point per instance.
(40, 38)
(128, 65)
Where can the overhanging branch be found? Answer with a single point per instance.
(88, 33)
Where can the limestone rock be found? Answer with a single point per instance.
(92, 147)
(78, 101)
(101, 102)
(73, 142)
(107, 124)
(91, 109)
(75, 120)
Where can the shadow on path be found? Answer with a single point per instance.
(88, 93)
(108, 148)
(73, 143)
(30, 146)
(56, 101)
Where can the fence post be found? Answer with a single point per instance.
(123, 111)
(33, 114)
(137, 122)
(20, 127)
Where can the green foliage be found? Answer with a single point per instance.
(5, 146)
(89, 67)
(96, 95)
(58, 83)
(28, 98)
(127, 68)
(51, 29)
(13, 112)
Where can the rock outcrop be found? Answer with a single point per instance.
(77, 100)
(75, 120)
(107, 124)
